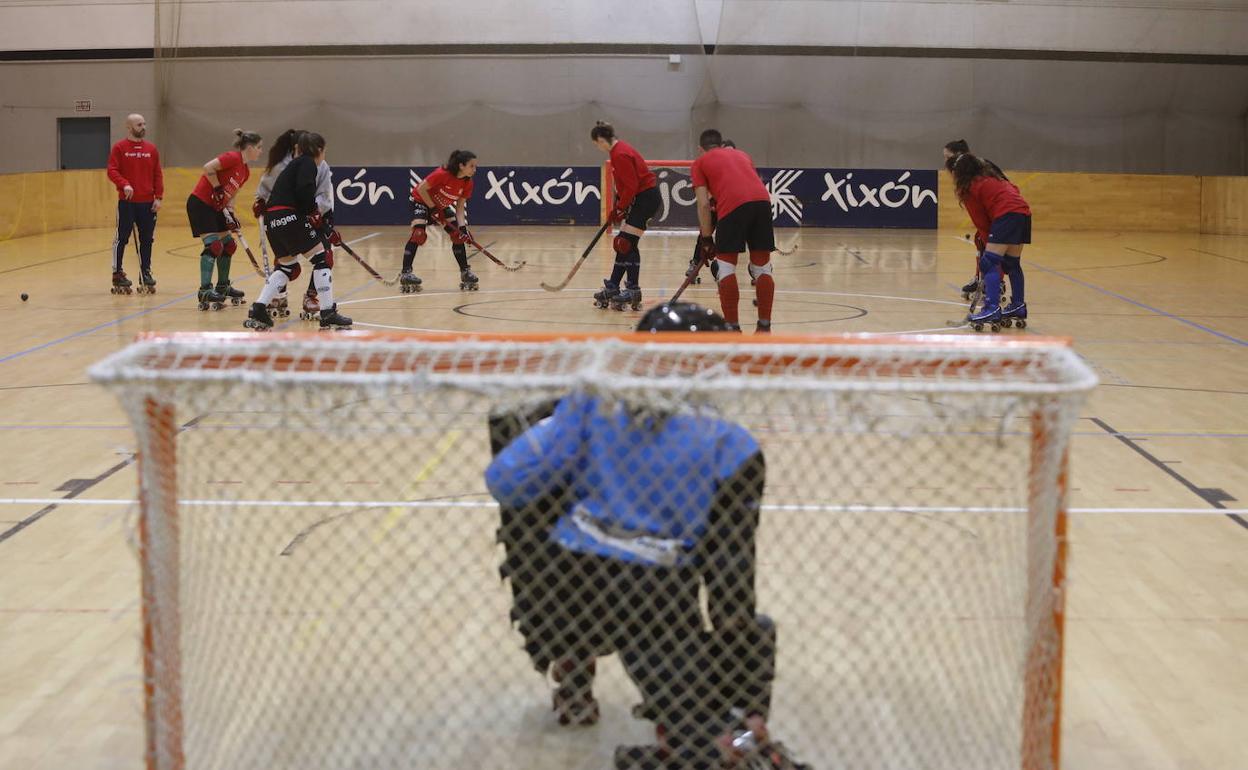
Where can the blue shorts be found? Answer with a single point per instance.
(1012, 228)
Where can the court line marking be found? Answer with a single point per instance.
(131, 316)
(659, 289)
(778, 507)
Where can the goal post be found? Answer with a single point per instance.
(321, 554)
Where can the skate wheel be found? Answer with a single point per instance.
(218, 306)
(995, 328)
(1021, 323)
(1006, 323)
(977, 327)
(203, 306)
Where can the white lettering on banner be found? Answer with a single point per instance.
(503, 189)
(842, 191)
(372, 190)
(782, 200)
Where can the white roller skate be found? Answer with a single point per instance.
(311, 308)
(468, 281)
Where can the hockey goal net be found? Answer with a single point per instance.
(321, 552)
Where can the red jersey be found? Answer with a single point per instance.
(729, 176)
(136, 163)
(989, 198)
(630, 172)
(233, 175)
(445, 188)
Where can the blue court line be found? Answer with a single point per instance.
(1150, 308)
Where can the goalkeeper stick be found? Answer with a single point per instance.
(584, 255)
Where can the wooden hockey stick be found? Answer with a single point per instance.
(509, 268)
(584, 255)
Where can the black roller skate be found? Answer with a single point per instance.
(970, 288)
(311, 308)
(280, 306)
(147, 284)
(573, 697)
(749, 746)
(409, 282)
(763, 327)
(468, 280)
(629, 296)
(332, 319)
(209, 298)
(234, 296)
(1015, 314)
(258, 318)
(603, 298)
(121, 284)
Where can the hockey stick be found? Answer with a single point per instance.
(509, 268)
(264, 250)
(689, 276)
(792, 246)
(584, 255)
(367, 267)
(238, 233)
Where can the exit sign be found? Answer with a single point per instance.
(82, 105)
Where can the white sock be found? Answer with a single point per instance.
(276, 283)
(323, 278)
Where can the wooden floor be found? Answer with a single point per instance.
(1156, 674)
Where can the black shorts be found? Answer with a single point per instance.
(644, 207)
(290, 233)
(204, 219)
(747, 227)
(1012, 228)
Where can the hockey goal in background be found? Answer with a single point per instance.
(320, 568)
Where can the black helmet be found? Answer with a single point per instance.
(682, 317)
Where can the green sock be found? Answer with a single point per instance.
(223, 271)
(206, 261)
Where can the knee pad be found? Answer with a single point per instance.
(419, 235)
(621, 244)
(722, 268)
(291, 269)
(215, 248)
(989, 262)
(230, 247)
(319, 262)
(757, 270)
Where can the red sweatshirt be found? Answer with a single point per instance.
(136, 164)
(989, 198)
(630, 172)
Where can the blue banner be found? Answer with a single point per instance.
(572, 195)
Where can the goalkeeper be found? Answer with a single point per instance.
(614, 514)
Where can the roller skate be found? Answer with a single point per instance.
(332, 319)
(280, 306)
(603, 298)
(235, 296)
(409, 283)
(121, 284)
(573, 697)
(749, 745)
(630, 295)
(311, 308)
(1015, 314)
(258, 318)
(147, 284)
(763, 327)
(209, 298)
(468, 280)
(969, 289)
(989, 316)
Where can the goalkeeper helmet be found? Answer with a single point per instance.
(682, 317)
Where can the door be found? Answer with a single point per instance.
(83, 142)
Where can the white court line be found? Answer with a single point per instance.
(492, 504)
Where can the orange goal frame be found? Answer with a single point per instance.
(159, 514)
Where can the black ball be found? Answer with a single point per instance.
(967, 236)
(25, 296)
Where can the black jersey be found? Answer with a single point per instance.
(296, 186)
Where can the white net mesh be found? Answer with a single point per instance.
(322, 549)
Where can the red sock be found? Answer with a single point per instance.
(764, 285)
(728, 297)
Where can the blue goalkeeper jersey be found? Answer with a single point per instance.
(641, 485)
